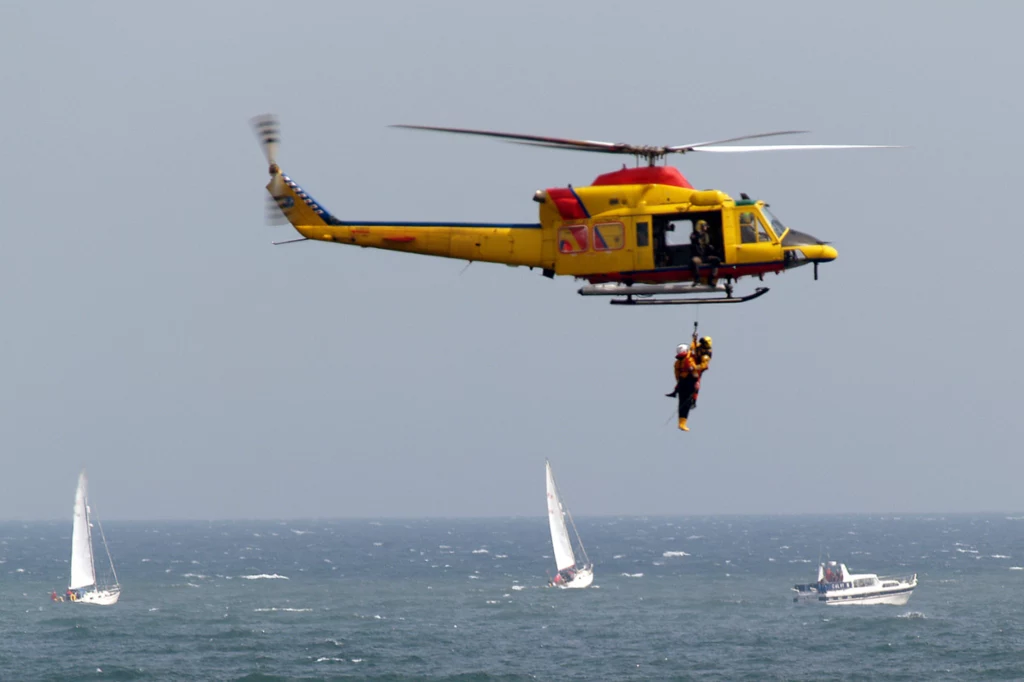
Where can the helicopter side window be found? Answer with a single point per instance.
(609, 236)
(762, 233)
(677, 233)
(572, 239)
(641, 234)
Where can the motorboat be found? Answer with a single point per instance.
(836, 585)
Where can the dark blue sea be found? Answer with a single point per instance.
(699, 598)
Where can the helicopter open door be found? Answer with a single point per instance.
(672, 237)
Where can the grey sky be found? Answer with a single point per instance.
(153, 335)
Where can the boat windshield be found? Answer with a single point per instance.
(777, 226)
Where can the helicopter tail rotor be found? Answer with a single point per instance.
(268, 131)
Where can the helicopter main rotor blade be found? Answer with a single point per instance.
(692, 147)
(600, 150)
(557, 142)
(788, 147)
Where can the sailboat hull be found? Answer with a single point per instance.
(583, 578)
(100, 597)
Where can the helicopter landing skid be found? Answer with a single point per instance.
(633, 300)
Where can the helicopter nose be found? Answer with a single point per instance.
(820, 252)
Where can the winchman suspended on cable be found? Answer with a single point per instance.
(690, 364)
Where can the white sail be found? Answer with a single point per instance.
(559, 533)
(83, 570)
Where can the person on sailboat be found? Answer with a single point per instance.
(686, 382)
(700, 352)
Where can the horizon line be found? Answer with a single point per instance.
(513, 517)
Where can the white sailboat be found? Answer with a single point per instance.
(569, 575)
(83, 588)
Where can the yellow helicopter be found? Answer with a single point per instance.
(643, 235)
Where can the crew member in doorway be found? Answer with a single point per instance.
(686, 383)
(702, 253)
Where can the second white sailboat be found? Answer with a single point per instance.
(570, 575)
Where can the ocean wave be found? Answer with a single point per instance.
(1000, 556)
(912, 614)
(675, 553)
(518, 587)
(265, 576)
(282, 608)
(480, 551)
(1017, 568)
(633, 575)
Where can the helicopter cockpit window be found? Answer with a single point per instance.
(748, 233)
(762, 233)
(777, 225)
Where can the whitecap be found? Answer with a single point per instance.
(633, 575)
(695, 537)
(378, 544)
(480, 551)
(911, 614)
(265, 576)
(619, 556)
(474, 577)
(1017, 568)
(324, 659)
(675, 553)
(1000, 556)
(300, 532)
(501, 556)
(282, 608)
(518, 587)
(491, 601)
